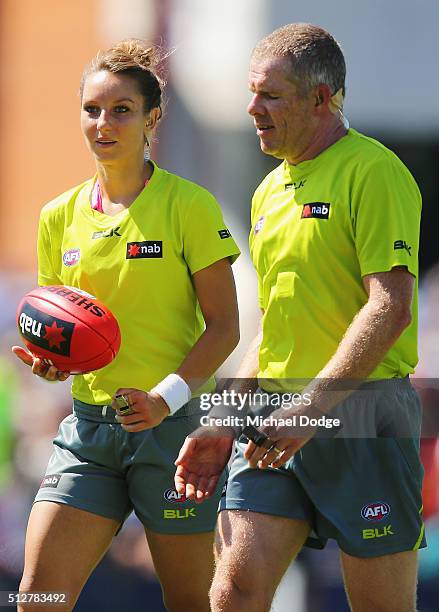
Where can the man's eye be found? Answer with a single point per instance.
(121, 109)
(271, 96)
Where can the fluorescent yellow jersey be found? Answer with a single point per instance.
(139, 263)
(317, 229)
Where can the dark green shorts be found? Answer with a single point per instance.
(361, 488)
(99, 467)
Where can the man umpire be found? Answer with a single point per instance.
(334, 239)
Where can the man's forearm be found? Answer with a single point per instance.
(369, 337)
(249, 366)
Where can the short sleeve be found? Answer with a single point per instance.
(385, 215)
(256, 223)
(46, 272)
(206, 238)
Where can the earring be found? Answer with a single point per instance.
(147, 150)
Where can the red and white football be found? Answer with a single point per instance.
(68, 327)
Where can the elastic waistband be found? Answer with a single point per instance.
(386, 384)
(381, 384)
(107, 414)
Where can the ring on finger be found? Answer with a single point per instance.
(274, 448)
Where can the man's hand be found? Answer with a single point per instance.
(147, 410)
(286, 440)
(201, 461)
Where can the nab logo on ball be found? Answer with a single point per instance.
(172, 495)
(376, 511)
(145, 249)
(71, 257)
(50, 333)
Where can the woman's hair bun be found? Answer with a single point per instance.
(135, 52)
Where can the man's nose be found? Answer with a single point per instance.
(255, 106)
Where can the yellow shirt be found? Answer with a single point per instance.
(140, 263)
(317, 229)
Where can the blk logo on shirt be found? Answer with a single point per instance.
(50, 333)
(316, 210)
(107, 234)
(145, 249)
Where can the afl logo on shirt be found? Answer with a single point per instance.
(259, 225)
(316, 210)
(71, 257)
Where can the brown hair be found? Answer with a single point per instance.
(140, 61)
(315, 56)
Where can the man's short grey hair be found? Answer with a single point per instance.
(316, 57)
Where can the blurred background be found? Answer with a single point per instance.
(206, 136)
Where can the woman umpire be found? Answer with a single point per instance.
(154, 248)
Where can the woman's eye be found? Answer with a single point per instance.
(121, 109)
(91, 110)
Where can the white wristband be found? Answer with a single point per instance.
(174, 390)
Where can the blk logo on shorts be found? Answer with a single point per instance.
(224, 233)
(179, 514)
(71, 257)
(172, 495)
(145, 249)
(316, 210)
(376, 511)
(40, 328)
(371, 534)
(51, 480)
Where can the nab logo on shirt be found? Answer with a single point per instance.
(145, 249)
(316, 210)
(51, 333)
(376, 511)
(51, 480)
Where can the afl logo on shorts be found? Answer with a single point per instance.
(71, 257)
(172, 495)
(376, 511)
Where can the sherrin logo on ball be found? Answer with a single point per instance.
(68, 327)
